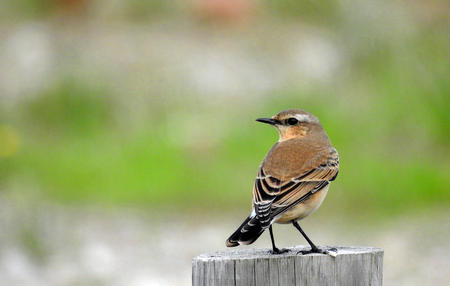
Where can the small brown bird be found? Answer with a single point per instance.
(293, 178)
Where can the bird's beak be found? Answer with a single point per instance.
(268, 121)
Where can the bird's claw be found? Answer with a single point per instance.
(279, 251)
(331, 251)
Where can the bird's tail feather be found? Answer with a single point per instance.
(247, 232)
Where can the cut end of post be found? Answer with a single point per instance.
(256, 253)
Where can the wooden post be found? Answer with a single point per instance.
(356, 266)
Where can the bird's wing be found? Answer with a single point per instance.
(273, 196)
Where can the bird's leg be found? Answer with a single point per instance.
(314, 248)
(275, 250)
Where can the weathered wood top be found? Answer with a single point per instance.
(255, 253)
(350, 266)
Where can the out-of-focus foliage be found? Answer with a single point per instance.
(386, 111)
(323, 11)
(69, 109)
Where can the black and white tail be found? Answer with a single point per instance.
(247, 232)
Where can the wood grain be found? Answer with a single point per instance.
(353, 266)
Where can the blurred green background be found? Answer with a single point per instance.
(91, 111)
(151, 105)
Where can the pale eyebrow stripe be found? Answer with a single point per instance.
(303, 117)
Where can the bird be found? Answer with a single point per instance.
(292, 180)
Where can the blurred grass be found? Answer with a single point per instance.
(387, 115)
(69, 109)
(76, 154)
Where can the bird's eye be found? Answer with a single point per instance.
(292, 121)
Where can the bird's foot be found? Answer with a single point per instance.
(279, 251)
(330, 251)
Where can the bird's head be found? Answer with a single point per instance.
(293, 123)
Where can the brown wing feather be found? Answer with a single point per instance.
(274, 195)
